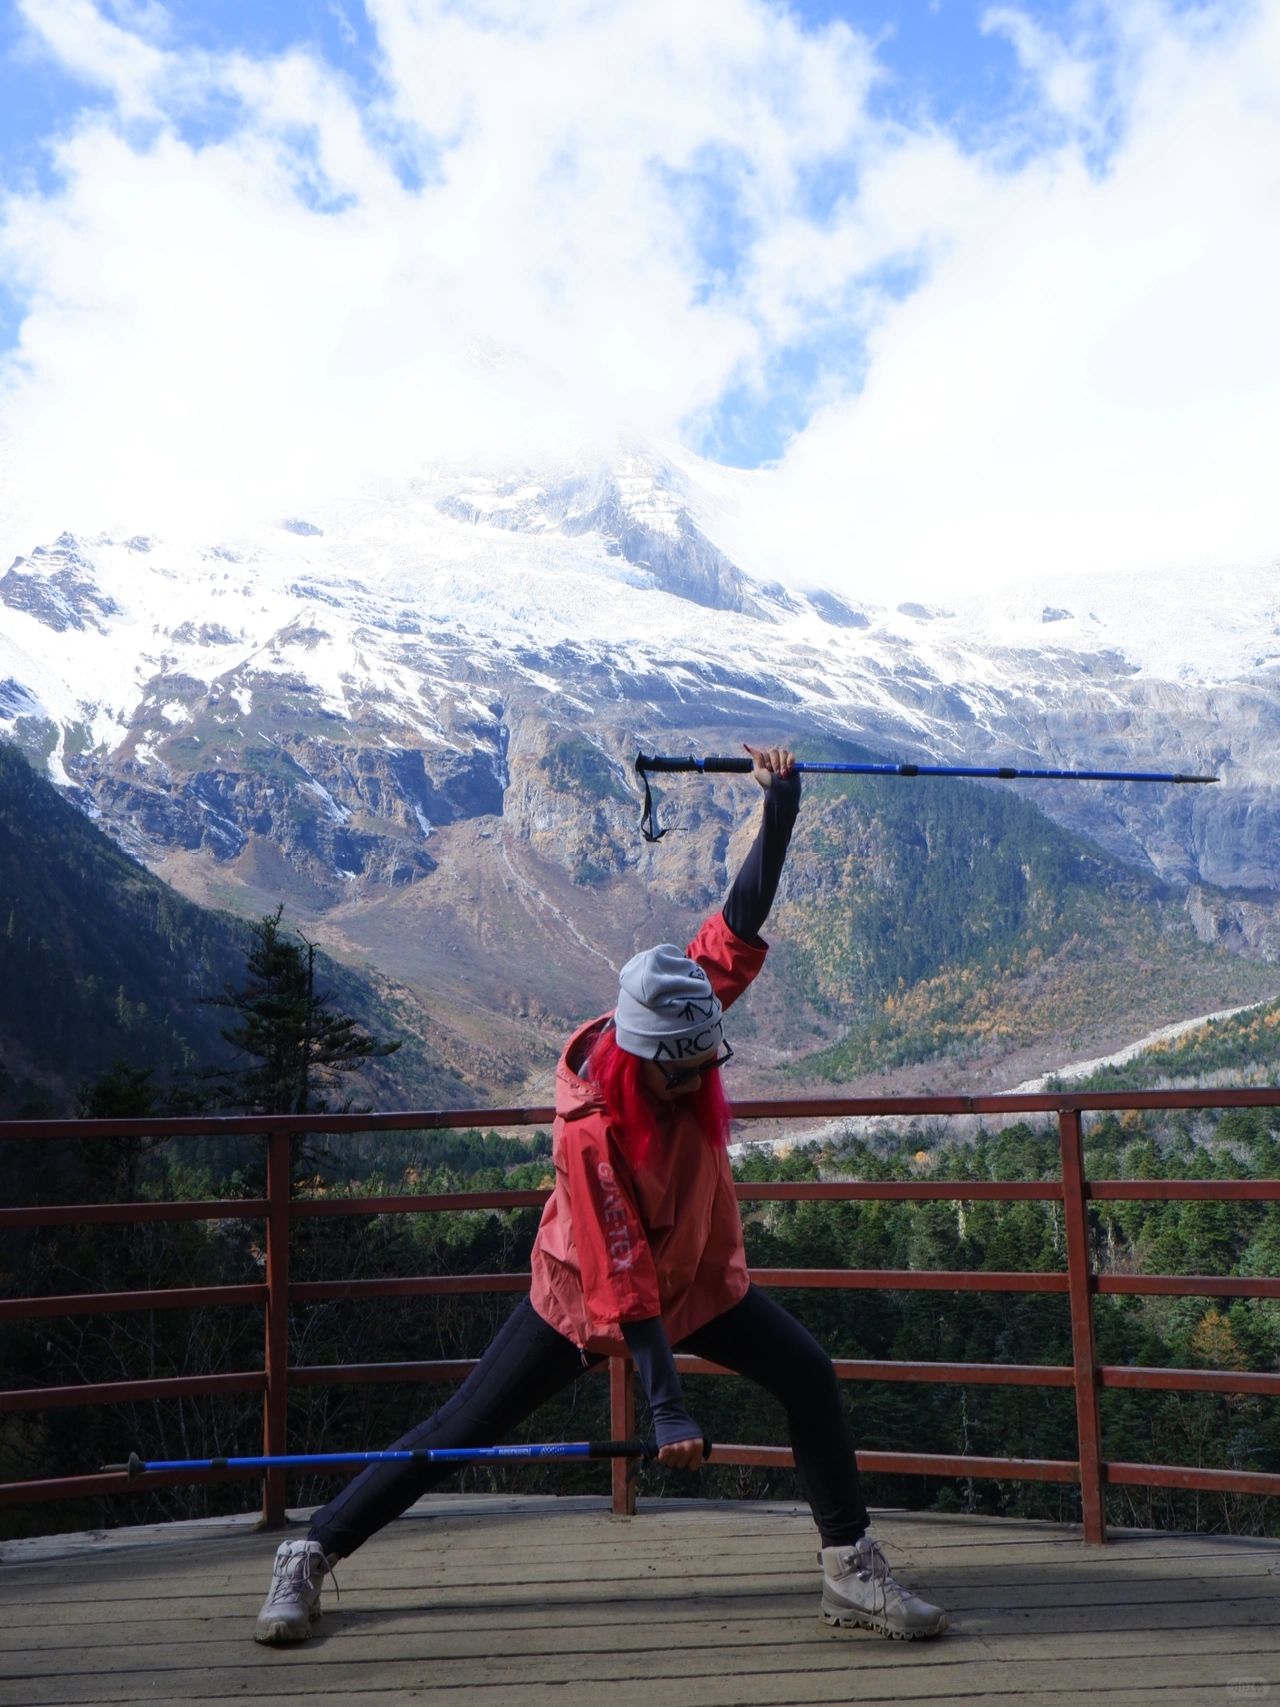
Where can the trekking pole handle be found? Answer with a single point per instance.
(724, 763)
(648, 1450)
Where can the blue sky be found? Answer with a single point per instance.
(1019, 256)
(939, 58)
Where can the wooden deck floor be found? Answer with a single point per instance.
(479, 1602)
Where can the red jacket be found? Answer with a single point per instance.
(621, 1244)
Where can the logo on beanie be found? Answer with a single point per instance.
(694, 1043)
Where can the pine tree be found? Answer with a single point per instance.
(298, 1045)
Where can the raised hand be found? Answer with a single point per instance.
(769, 762)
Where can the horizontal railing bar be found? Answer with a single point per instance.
(1023, 1469)
(125, 1392)
(846, 1368)
(307, 1208)
(1195, 1479)
(917, 1464)
(365, 1374)
(912, 1280)
(421, 1120)
(855, 1279)
(1232, 1381)
(262, 1125)
(405, 1286)
(89, 1487)
(104, 1303)
(1189, 1285)
(958, 1374)
(1192, 1190)
(1189, 1380)
(960, 1191)
(857, 1369)
(96, 1214)
(1007, 1102)
(1011, 1191)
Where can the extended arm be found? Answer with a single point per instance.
(747, 906)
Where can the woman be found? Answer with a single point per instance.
(640, 1246)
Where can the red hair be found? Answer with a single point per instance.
(619, 1077)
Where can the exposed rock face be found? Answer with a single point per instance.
(335, 812)
(1244, 926)
(57, 586)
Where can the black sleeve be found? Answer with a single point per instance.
(651, 1351)
(751, 896)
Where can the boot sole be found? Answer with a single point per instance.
(849, 1618)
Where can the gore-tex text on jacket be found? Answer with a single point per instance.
(619, 1244)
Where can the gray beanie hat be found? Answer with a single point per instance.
(667, 1010)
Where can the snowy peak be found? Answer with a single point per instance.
(636, 507)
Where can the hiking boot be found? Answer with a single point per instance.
(293, 1604)
(858, 1588)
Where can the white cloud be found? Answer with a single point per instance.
(238, 303)
(114, 56)
(1067, 79)
(247, 320)
(1089, 377)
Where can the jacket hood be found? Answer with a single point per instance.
(575, 1097)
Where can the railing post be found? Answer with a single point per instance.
(275, 1404)
(1084, 1355)
(622, 1426)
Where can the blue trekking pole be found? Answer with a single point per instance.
(645, 1449)
(647, 764)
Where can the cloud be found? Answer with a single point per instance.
(1067, 81)
(258, 284)
(90, 44)
(1088, 376)
(254, 285)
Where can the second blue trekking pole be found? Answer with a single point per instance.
(648, 764)
(646, 1449)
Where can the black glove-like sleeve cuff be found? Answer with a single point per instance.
(651, 1351)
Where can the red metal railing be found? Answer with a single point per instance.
(277, 1292)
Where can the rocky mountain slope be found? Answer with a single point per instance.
(413, 718)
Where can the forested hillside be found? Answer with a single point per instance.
(103, 962)
(945, 921)
(1240, 1049)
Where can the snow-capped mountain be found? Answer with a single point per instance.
(444, 686)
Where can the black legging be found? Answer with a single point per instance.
(529, 1362)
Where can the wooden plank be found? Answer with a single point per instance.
(1022, 1599)
(638, 1695)
(831, 1672)
(406, 1638)
(641, 1695)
